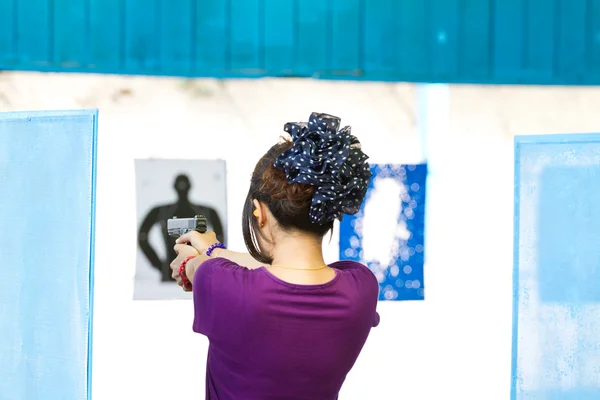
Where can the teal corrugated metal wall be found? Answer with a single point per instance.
(463, 41)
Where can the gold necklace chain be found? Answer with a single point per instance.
(300, 269)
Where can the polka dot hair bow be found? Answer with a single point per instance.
(330, 159)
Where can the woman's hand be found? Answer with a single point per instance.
(183, 252)
(199, 241)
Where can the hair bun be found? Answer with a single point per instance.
(331, 159)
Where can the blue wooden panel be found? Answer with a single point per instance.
(412, 56)
(454, 41)
(571, 63)
(142, 35)
(539, 34)
(474, 40)
(443, 38)
(380, 37)
(7, 32)
(246, 35)
(593, 40)
(71, 36)
(346, 40)
(35, 32)
(313, 19)
(107, 35)
(213, 42)
(176, 21)
(508, 32)
(279, 36)
(388, 232)
(47, 176)
(556, 297)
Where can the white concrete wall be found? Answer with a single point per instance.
(454, 345)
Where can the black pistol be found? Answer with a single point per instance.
(179, 226)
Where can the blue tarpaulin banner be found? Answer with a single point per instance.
(387, 234)
(556, 325)
(47, 192)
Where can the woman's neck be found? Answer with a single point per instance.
(299, 260)
(298, 252)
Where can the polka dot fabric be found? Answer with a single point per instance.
(330, 159)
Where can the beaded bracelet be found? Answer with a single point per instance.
(213, 247)
(183, 275)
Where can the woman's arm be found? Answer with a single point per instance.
(202, 241)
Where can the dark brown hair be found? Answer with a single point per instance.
(289, 203)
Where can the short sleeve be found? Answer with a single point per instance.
(202, 289)
(373, 291)
(376, 320)
(375, 295)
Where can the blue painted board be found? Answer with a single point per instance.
(556, 309)
(569, 270)
(47, 181)
(388, 232)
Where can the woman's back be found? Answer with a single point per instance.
(270, 339)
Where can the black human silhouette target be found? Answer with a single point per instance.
(168, 188)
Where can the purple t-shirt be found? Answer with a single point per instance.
(270, 339)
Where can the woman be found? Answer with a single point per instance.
(281, 323)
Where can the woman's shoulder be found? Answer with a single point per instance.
(349, 265)
(355, 268)
(225, 270)
(224, 266)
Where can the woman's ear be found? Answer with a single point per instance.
(259, 212)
